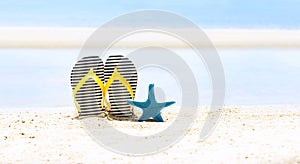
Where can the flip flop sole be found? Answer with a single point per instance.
(89, 96)
(118, 93)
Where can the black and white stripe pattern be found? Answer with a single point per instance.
(89, 95)
(118, 94)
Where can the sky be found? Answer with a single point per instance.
(278, 14)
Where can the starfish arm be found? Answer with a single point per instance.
(158, 118)
(166, 104)
(143, 118)
(151, 95)
(141, 105)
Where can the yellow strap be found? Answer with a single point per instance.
(115, 76)
(89, 75)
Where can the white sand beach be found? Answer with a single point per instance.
(47, 37)
(245, 134)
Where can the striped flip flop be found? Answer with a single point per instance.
(121, 81)
(86, 80)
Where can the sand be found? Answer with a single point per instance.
(47, 37)
(246, 134)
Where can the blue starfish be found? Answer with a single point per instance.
(151, 108)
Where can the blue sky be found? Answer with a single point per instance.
(206, 13)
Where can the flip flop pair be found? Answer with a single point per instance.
(102, 90)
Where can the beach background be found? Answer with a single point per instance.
(258, 43)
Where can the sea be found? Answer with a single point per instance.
(40, 78)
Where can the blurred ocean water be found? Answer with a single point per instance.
(40, 77)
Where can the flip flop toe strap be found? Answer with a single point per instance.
(89, 75)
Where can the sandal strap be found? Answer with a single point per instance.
(90, 75)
